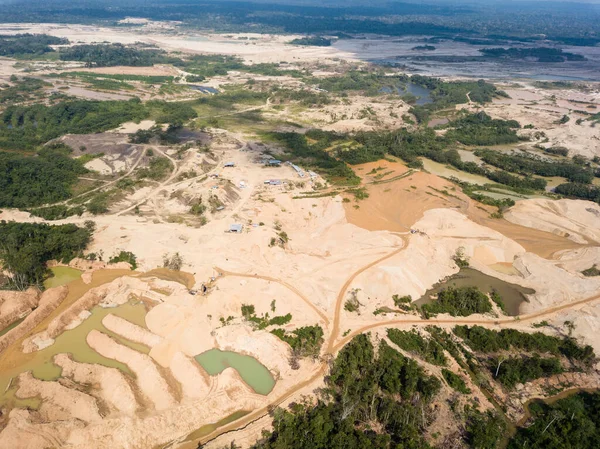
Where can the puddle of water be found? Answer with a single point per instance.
(11, 326)
(254, 373)
(208, 428)
(181, 277)
(74, 342)
(437, 121)
(442, 170)
(513, 295)
(62, 276)
(505, 267)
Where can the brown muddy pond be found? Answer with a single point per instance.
(513, 295)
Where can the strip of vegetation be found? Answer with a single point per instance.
(458, 301)
(531, 164)
(426, 348)
(262, 322)
(305, 341)
(480, 129)
(108, 55)
(25, 89)
(57, 212)
(455, 381)
(148, 79)
(485, 340)
(27, 247)
(514, 370)
(125, 256)
(577, 190)
(542, 54)
(316, 41)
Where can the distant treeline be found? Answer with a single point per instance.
(542, 54)
(107, 55)
(316, 41)
(28, 44)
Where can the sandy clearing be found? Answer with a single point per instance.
(61, 402)
(149, 380)
(576, 219)
(111, 383)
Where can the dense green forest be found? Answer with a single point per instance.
(373, 398)
(28, 44)
(28, 181)
(572, 422)
(26, 247)
(108, 55)
(365, 385)
(26, 127)
(480, 129)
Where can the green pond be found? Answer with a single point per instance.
(11, 326)
(513, 295)
(62, 276)
(208, 428)
(255, 374)
(74, 342)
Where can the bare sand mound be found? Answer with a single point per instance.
(110, 384)
(130, 331)
(194, 381)
(397, 205)
(148, 378)
(59, 402)
(14, 305)
(49, 301)
(575, 219)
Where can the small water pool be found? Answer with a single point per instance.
(62, 276)
(513, 295)
(254, 373)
